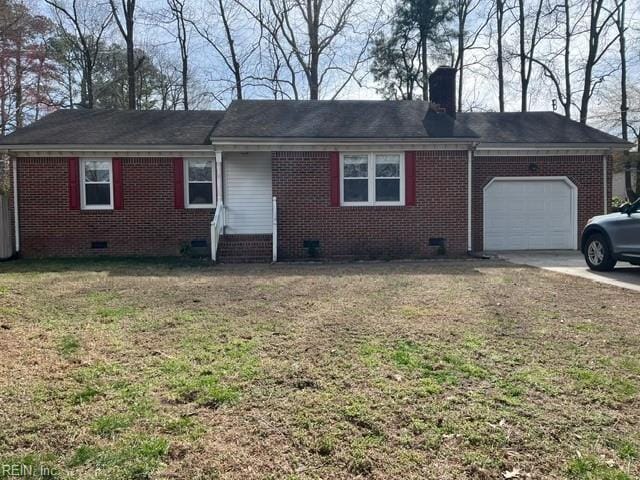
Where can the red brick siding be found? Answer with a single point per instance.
(584, 171)
(301, 183)
(148, 225)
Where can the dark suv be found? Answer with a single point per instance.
(608, 239)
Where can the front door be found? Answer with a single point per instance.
(247, 193)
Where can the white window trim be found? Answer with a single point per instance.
(371, 156)
(83, 190)
(186, 184)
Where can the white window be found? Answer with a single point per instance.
(199, 183)
(97, 184)
(372, 179)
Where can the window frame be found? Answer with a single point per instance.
(187, 203)
(371, 179)
(83, 184)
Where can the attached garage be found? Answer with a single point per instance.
(531, 213)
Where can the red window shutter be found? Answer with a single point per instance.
(118, 198)
(410, 178)
(74, 183)
(334, 169)
(178, 182)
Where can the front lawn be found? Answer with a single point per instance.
(443, 370)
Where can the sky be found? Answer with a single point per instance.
(480, 92)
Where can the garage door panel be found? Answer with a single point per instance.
(529, 215)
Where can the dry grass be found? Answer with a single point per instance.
(447, 370)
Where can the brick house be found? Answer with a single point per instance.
(295, 179)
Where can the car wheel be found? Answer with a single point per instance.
(598, 254)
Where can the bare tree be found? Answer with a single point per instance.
(526, 52)
(500, 10)
(225, 48)
(466, 39)
(276, 69)
(599, 22)
(310, 29)
(88, 25)
(570, 14)
(125, 19)
(621, 26)
(176, 7)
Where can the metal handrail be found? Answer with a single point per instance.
(217, 227)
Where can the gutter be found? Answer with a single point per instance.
(555, 146)
(16, 222)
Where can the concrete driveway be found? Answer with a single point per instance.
(572, 262)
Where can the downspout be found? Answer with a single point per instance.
(16, 222)
(606, 181)
(469, 198)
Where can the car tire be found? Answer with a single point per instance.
(598, 254)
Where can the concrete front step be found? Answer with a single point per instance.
(245, 249)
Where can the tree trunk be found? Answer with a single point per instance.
(314, 90)
(70, 86)
(623, 72)
(184, 53)
(584, 103)
(461, 26)
(314, 32)
(594, 38)
(524, 83)
(89, 80)
(237, 74)
(18, 86)
(567, 60)
(131, 73)
(425, 69)
(3, 99)
(499, 18)
(185, 89)
(632, 195)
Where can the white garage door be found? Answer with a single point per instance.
(531, 214)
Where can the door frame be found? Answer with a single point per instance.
(565, 179)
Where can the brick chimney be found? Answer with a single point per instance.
(442, 89)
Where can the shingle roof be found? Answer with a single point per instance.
(111, 127)
(532, 127)
(337, 119)
(293, 119)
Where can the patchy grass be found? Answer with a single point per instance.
(122, 369)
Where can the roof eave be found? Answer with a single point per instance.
(617, 146)
(7, 148)
(334, 140)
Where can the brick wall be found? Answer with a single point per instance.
(148, 225)
(584, 171)
(301, 183)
